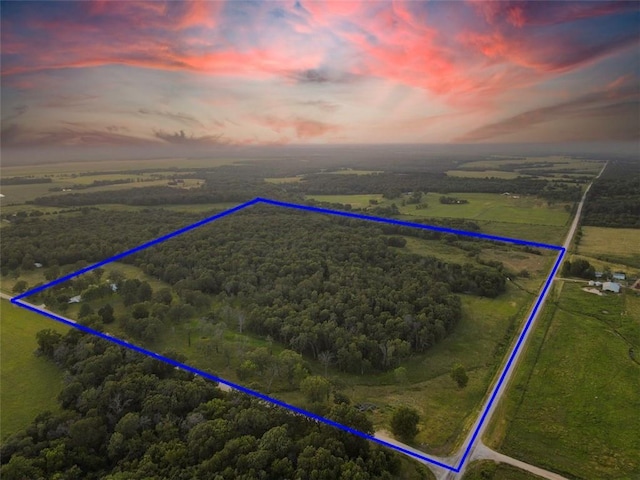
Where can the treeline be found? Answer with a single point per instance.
(101, 183)
(126, 416)
(393, 185)
(148, 196)
(26, 180)
(82, 238)
(614, 201)
(240, 183)
(320, 284)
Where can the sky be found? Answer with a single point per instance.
(193, 76)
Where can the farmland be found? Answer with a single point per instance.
(29, 383)
(619, 245)
(578, 381)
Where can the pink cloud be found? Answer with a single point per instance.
(304, 128)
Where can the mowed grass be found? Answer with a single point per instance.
(29, 385)
(573, 405)
(610, 242)
(489, 470)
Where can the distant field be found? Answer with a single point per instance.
(17, 194)
(573, 405)
(543, 163)
(621, 242)
(481, 206)
(114, 165)
(351, 171)
(484, 174)
(283, 179)
(30, 384)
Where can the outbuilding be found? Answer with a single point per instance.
(611, 287)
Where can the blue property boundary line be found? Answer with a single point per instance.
(17, 300)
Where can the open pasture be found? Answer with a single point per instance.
(114, 166)
(480, 206)
(620, 242)
(577, 381)
(30, 384)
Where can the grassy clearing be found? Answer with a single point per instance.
(553, 235)
(481, 206)
(29, 384)
(611, 243)
(488, 470)
(576, 382)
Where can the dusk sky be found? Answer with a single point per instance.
(201, 74)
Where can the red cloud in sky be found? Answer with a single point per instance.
(466, 56)
(304, 128)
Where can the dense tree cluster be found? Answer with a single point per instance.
(26, 180)
(392, 185)
(128, 417)
(578, 268)
(317, 284)
(88, 236)
(614, 201)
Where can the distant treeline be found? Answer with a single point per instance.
(28, 180)
(393, 185)
(614, 199)
(241, 183)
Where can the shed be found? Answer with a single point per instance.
(75, 299)
(619, 276)
(611, 287)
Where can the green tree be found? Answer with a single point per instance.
(404, 423)
(85, 310)
(106, 313)
(20, 286)
(459, 375)
(315, 388)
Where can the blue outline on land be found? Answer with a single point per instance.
(424, 457)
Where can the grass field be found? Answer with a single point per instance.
(488, 470)
(617, 244)
(573, 405)
(481, 206)
(18, 194)
(114, 165)
(579, 166)
(29, 384)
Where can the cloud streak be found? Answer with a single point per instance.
(309, 71)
